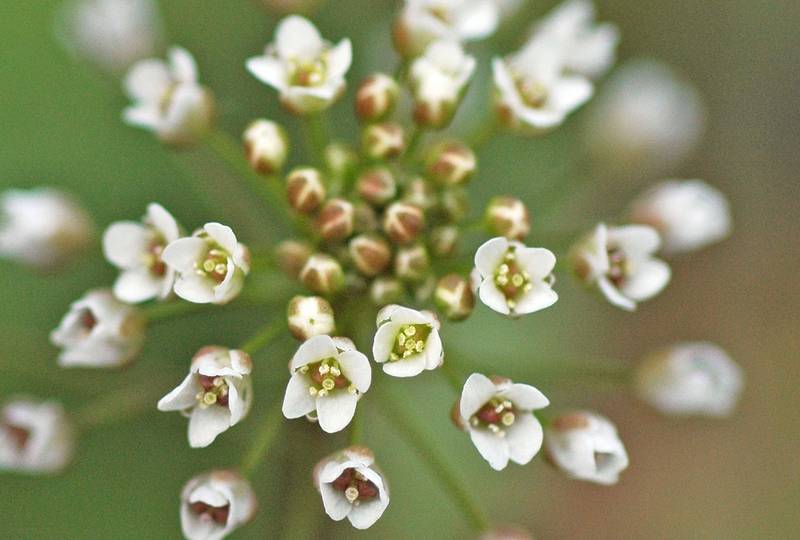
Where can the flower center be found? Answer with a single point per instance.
(533, 92)
(214, 266)
(215, 391)
(496, 415)
(165, 102)
(512, 280)
(217, 514)
(88, 320)
(152, 257)
(326, 376)
(355, 486)
(618, 266)
(18, 435)
(308, 72)
(411, 339)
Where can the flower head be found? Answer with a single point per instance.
(216, 503)
(328, 376)
(497, 414)
(35, 436)
(438, 80)
(310, 316)
(215, 395)
(407, 342)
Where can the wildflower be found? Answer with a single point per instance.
(35, 436)
(266, 146)
(497, 414)
(407, 341)
(310, 316)
(328, 376)
(216, 503)
(438, 80)
(215, 395)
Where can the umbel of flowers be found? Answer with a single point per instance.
(381, 231)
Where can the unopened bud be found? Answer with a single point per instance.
(433, 114)
(376, 97)
(424, 290)
(385, 290)
(366, 220)
(383, 141)
(377, 186)
(420, 193)
(412, 263)
(454, 297)
(310, 316)
(455, 204)
(305, 189)
(340, 159)
(444, 240)
(370, 253)
(403, 222)
(451, 163)
(292, 256)
(336, 220)
(266, 146)
(322, 274)
(508, 216)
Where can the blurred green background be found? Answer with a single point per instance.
(740, 478)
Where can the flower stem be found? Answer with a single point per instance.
(115, 406)
(269, 428)
(482, 133)
(455, 379)
(417, 134)
(261, 339)
(316, 135)
(356, 429)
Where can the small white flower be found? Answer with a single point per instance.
(407, 342)
(35, 436)
(497, 414)
(307, 71)
(619, 261)
(168, 100)
(689, 214)
(352, 487)
(111, 33)
(310, 316)
(215, 395)
(210, 265)
(99, 331)
(438, 79)
(586, 446)
(42, 227)
(328, 376)
(216, 503)
(690, 379)
(514, 279)
(136, 248)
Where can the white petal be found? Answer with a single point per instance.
(525, 397)
(478, 389)
(182, 254)
(138, 285)
(297, 401)
(407, 367)
(477, 20)
(184, 68)
(269, 71)
(635, 239)
(313, 350)
(434, 353)
(336, 410)
(222, 235)
(524, 438)
(613, 295)
(196, 289)
(336, 505)
(649, 278)
(490, 255)
(206, 424)
(538, 262)
(403, 315)
(570, 92)
(367, 513)
(356, 368)
(125, 242)
(297, 38)
(183, 396)
(339, 59)
(147, 81)
(541, 296)
(492, 448)
(144, 116)
(383, 342)
(163, 222)
(231, 286)
(492, 297)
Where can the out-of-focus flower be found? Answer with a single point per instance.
(42, 227)
(215, 395)
(454, 297)
(451, 163)
(266, 146)
(497, 414)
(689, 214)
(328, 376)
(352, 486)
(515, 279)
(385, 290)
(383, 141)
(322, 274)
(438, 79)
(136, 248)
(291, 256)
(210, 265)
(310, 316)
(216, 503)
(35, 436)
(690, 379)
(407, 341)
(111, 33)
(307, 71)
(99, 331)
(620, 262)
(411, 263)
(168, 100)
(376, 97)
(509, 217)
(646, 117)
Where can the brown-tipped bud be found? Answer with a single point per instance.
(383, 141)
(322, 274)
(420, 193)
(385, 290)
(508, 216)
(377, 186)
(376, 97)
(412, 263)
(340, 159)
(266, 146)
(292, 256)
(451, 163)
(444, 240)
(366, 220)
(454, 297)
(370, 253)
(310, 316)
(455, 204)
(336, 220)
(305, 189)
(403, 222)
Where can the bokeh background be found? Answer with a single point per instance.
(738, 478)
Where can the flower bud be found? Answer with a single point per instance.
(455, 203)
(412, 263)
(451, 163)
(420, 193)
(366, 220)
(423, 291)
(266, 146)
(386, 290)
(215, 504)
(376, 97)
(292, 256)
(508, 216)
(403, 222)
(454, 297)
(370, 253)
(438, 80)
(305, 189)
(322, 274)
(340, 159)
(377, 186)
(336, 220)
(444, 240)
(383, 141)
(310, 316)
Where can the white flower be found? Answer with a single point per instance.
(514, 279)
(310, 316)
(307, 71)
(352, 486)
(216, 503)
(690, 379)
(646, 116)
(99, 331)
(423, 21)
(266, 146)
(111, 33)
(215, 395)
(438, 79)
(407, 341)
(136, 248)
(619, 261)
(35, 436)
(210, 265)
(168, 100)
(586, 446)
(42, 227)
(497, 415)
(328, 376)
(689, 214)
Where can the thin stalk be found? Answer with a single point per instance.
(455, 380)
(265, 438)
(115, 406)
(316, 131)
(483, 133)
(417, 134)
(263, 337)
(357, 429)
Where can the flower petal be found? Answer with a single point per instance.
(490, 255)
(406, 367)
(125, 242)
(181, 397)
(492, 448)
(649, 278)
(296, 38)
(525, 397)
(196, 289)
(478, 389)
(313, 350)
(355, 366)
(206, 424)
(524, 438)
(336, 410)
(137, 285)
(269, 71)
(492, 297)
(336, 505)
(297, 401)
(183, 253)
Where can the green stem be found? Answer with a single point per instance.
(168, 310)
(485, 131)
(356, 429)
(316, 135)
(417, 134)
(455, 380)
(262, 338)
(117, 405)
(268, 431)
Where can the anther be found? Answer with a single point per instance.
(508, 419)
